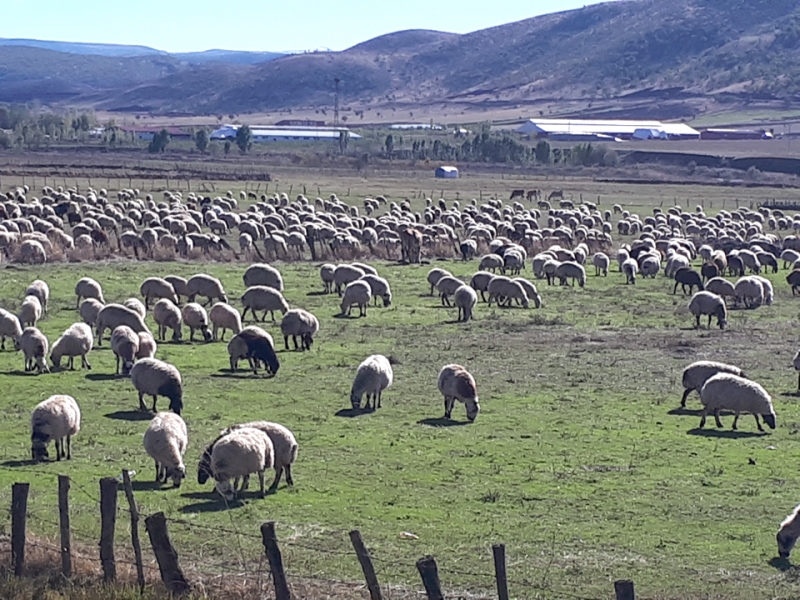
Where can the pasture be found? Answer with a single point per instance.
(579, 461)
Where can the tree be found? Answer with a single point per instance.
(227, 147)
(5, 140)
(159, 142)
(243, 138)
(389, 144)
(543, 152)
(344, 137)
(201, 140)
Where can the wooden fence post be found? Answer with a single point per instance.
(270, 540)
(499, 554)
(137, 547)
(429, 573)
(63, 521)
(623, 589)
(108, 520)
(19, 515)
(167, 557)
(366, 565)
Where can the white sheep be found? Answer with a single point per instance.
(147, 345)
(491, 262)
(9, 327)
(206, 285)
(34, 346)
(344, 275)
(380, 288)
(262, 297)
(196, 319)
(224, 316)
(33, 252)
(125, 346)
(769, 292)
(179, 284)
(168, 316)
(89, 310)
(75, 341)
(298, 322)
(721, 287)
(30, 311)
(136, 306)
(788, 533)
(503, 290)
(696, 374)
(750, 291)
(58, 418)
(88, 288)
(465, 299)
(571, 270)
(650, 266)
(373, 376)
(263, 274)
(706, 303)
(358, 293)
(112, 316)
(447, 286)
(601, 262)
(238, 454)
(368, 269)
(434, 275)
(153, 377)
(725, 391)
(480, 282)
(155, 288)
(630, 268)
(165, 441)
(530, 291)
(456, 383)
(326, 274)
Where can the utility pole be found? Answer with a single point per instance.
(336, 103)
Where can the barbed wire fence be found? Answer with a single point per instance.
(235, 562)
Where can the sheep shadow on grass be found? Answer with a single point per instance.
(241, 374)
(685, 412)
(441, 422)
(213, 502)
(782, 564)
(349, 317)
(350, 413)
(130, 415)
(150, 486)
(103, 377)
(791, 394)
(734, 434)
(11, 464)
(322, 293)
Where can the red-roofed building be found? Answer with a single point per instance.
(148, 133)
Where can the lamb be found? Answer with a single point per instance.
(344, 275)
(283, 443)
(601, 262)
(224, 316)
(89, 310)
(326, 274)
(571, 270)
(358, 293)
(41, 290)
(238, 454)
(205, 285)
(696, 374)
(706, 303)
(125, 346)
(157, 288)
(725, 391)
(88, 288)
(630, 267)
(480, 282)
(58, 418)
(256, 345)
(788, 533)
(196, 318)
(75, 341)
(168, 316)
(298, 322)
(136, 306)
(9, 327)
(34, 346)
(155, 378)
(721, 287)
(30, 311)
(434, 275)
(503, 290)
(379, 288)
(530, 291)
(165, 442)
(685, 276)
(262, 297)
(179, 284)
(750, 291)
(147, 345)
(373, 376)
(263, 274)
(465, 299)
(112, 316)
(456, 383)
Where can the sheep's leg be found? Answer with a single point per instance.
(142, 407)
(261, 483)
(758, 423)
(703, 418)
(69, 447)
(158, 471)
(85, 363)
(294, 341)
(719, 423)
(708, 326)
(367, 405)
(71, 363)
(277, 480)
(448, 406)
(116, 371)
(697, 322)
(686, 393)
(244, 313)
(3, 342)
(286, 343)
(155, 399)
(59, 450)
(378, 400)
(798, 381)
(289, 479)
(675, 289)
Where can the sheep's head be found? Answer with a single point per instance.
(387, 300)
(226, 490)
(178, 474)
(39, 443)
(127, 365)
(355, 400)
(177, 334)
(769, 420)
(473, 408)
(786, 542)
(204, 466)
(206, 334)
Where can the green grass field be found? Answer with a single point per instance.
(578, 462)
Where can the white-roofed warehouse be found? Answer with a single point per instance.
(619, 129)
(280, 134)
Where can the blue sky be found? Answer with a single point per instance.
(278, 25)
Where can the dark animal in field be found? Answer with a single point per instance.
(517, 194)
(686, 276)
(709, 271)
(556, 194)
(793, 279)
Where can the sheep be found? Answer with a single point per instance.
(373, 376)
(205, 285)
(368, 269)
(157, 288)
(650, 266)
(168, 316)
(725, 391)
(33, 252)
(113, 315)
(530, 291)
(456, 383)
(283, 442)
(696, 374)
(788, 533)
(750, 291)
(359, 293)
(34, 346)
(686, 276)
(491, 262)
(155, 378)
(706, 303)
(58, 418)
(262, 297)
(630, 267)
(299, 322)
(721, 287)
(766, 284)
(503, 290)
(89, 310)
(434, 275)
(465, 299)
(238, 454)
(30, 311)
(571, 270)
(9, 327)
(136, 306)
(796, 365)
(256, 345)
(793, 279)
(468, 248)
(326, 274)
(41, 290)
(224, 316)
(379, 288)
(179, 284)
(480, 282)
(263, 274)
(195, 317)
(75, 341)
(88, 288)
(125, 346)
(165, 441)
(601, 262)
(345, 274)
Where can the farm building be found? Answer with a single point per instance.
(299, 123)
(735, 134)
(625, 130)
(148, 133)
(281, 134)
(447, 173)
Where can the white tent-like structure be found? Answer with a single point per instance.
(614, 128)
(446, 172)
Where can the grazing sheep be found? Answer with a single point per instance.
(33, 252)
(34, 346)
(686, 276)
(196, 318)
(379, 288)
(75, 341)
(468, 248)
(344, 275)
(696, 374)
(9, 327)
(721, 287)
(153, 377)
(434, 275)
(154, 288)
(30, 311)
(356, 293)
(465, 299)
(326, 274)
(706, 303)
(480, 282)
(238, 454)
(650, 266)
(601, 262)
(491, 262)
(788, 533)
(168, 316)
(725, 391)
(793, 279)
(112, 316)
(179, 284)
(571, 270)
(89, 310)
(630, 267)
(125, 346)
(256, 345)
(88, 288)
(263, 274)
(766, 284)
(165, 441)
(368, 269)
(456, 383)
(503, 290)
(373, 376)
(299, 322)
(58, 418)
(205, 285)
(750, 291)
(224, 316)
(147, 345)
(262, 297)
(530, 291)
(136, 306)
